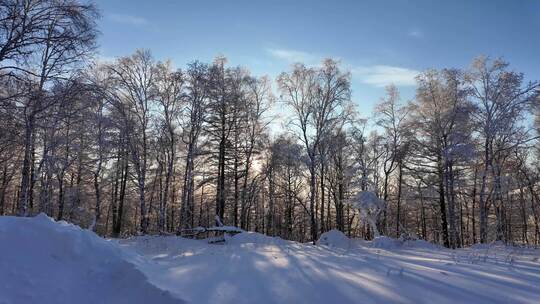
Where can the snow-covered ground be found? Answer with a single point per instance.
(252, 268)
(46, 262)
(42, 261)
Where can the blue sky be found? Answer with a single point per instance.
(378, 41)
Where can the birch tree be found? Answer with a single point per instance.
(501, 99)
(170, 97)
(62, 36)
(193, 118)
(317, 98)
(134, 77)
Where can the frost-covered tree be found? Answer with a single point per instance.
(170, 97)
(370, 206)
(441, 117)
(501, 98)
(137, 146)
(41, 42)
(193, 117)
(391, 117)
(318, 99)
(135, 93)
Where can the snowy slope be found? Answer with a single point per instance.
(42, 261)
(252, 268)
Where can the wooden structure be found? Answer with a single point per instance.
(214, 235)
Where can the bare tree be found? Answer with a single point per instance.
(258, 100)
(317, 98)
(442, 118)
(501, 99)
(391, 117)
(192, 124)
(64, 35)
(134, 77)
(170, 96)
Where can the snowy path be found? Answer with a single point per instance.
(266, 270)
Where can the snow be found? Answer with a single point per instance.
(43, 261)
(369, 206)
(50, 262)
(253, 268)
(386, 243)
(337, 239)
(256, 238)
(334, 238)
(367, 200)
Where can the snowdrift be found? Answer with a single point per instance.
(334, 238)
(337, 239)
(43, 261)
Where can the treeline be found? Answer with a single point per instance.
(137, 146)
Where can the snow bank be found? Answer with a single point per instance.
(334, 238)
(43, 261)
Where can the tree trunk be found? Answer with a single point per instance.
(98, 199)
(442, 203)
(25, 173)
(400, 181)
(61, 200)
(5, 182)
(483, 198)
(449, 181)
(313, 188)
(117, 229)
(322, 198)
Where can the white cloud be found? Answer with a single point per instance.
(293, 56)
(382, 75)
(376, 75)
(128, 19)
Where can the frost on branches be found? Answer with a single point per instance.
(369, 206)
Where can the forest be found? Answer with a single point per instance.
(138, 145)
